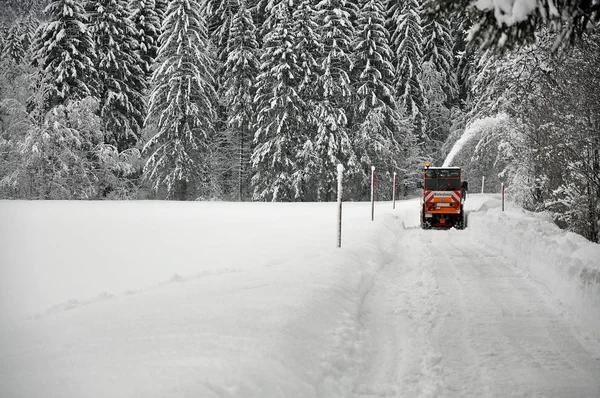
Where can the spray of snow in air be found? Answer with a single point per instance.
(470, 133)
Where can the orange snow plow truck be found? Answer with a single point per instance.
(444, 193)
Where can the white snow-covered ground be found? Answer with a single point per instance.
(155, 299)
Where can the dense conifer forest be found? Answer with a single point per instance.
(261, 99)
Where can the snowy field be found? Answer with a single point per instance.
(162, 299)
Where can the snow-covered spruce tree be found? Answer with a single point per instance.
(438, 45)
(337, 34)
(122, 79)
(147, 23)
(372, 64)
(280, 112)
(407, 44)
(439, 82)
(377, 123)
(182, 104)
(465, 66)
(238, 90)
(161, 9)
(260, 12)
(28, 26)
(308, 49)
(3, 34)
(465, 61)
(333, 143)
(437, 112)
(14, 44)
(220, 14)
(307, 46)
(65, 51)
(31, 24)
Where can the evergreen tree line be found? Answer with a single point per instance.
(261, 99)
(237, 100)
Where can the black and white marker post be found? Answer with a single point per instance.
(340, 170)
(372, 193)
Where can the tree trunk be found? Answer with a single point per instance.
(181, 190)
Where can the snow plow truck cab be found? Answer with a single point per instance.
(444, 194)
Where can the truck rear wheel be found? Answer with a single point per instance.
(462, 224)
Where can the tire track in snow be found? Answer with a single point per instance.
(522, 347)
(402, 314)
(452, 317)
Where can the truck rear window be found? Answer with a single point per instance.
(442, 184)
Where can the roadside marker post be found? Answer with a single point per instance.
(394, 192)
(482, 183)
(372, 193)
(340, 170)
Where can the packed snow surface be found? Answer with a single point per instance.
(155, 299)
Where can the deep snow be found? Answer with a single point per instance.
(151, 299)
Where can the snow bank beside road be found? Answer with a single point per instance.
(565, 263)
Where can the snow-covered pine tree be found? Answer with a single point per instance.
(147, 22)
(465, 60)
(378, 126)
(407, 44)
(161, 9)
(220, 14)
(182, 104)
(14, 45)
(308, 49)
(65, 51)
(438, 49)
(261, 13)
(122, 106)
(439, 82)
(337, 34)
(372, 65)
(307, 46)
(437, 112)
(333, 143)
(238, 90)
(280, 112)
(30, 25)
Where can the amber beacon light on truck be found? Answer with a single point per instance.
(444, 194)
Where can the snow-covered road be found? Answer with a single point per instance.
(475, 325)
(154, 299)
